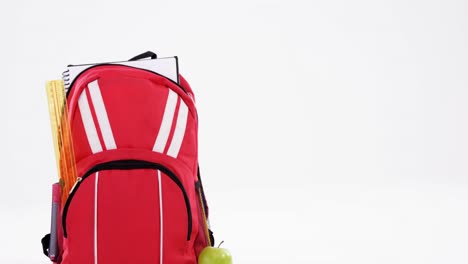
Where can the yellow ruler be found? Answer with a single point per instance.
(61, 134)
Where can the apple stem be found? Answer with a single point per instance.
(220, 243)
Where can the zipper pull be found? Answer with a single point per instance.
(78, 179)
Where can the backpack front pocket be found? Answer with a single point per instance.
(116, 214)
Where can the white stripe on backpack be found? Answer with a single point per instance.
(179, 132)
(96, 218)
(166, 122)
(161, 226)
(88, 123)
(101, 114)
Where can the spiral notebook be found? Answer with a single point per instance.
(167, 67)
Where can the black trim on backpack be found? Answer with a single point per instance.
(129, 165)
(212, 239)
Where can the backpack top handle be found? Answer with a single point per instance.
(144, 55)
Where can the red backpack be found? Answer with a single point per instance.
(138, 197)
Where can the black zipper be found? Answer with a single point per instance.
(128, 165)
(113, 64)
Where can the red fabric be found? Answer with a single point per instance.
(186, 86)
(57, 198)
(128, 204)
(135, 102)
(80, 244)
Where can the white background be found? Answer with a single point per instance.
(330, 131)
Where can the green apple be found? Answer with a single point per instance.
(215, 255)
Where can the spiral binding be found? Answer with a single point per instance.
(66, 79)
(73, 71)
